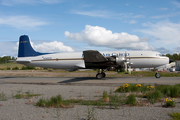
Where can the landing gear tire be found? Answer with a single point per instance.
(99, 76)
(104, 75)
(157, 75)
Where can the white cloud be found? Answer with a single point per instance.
(163, 9)
(167, 15)
(13, 2)
(177, 50)
(106, 14)
(48, 47)
(99, 36)
(51, 1)
(54, 46)
(21, 22)
(138, 16)
(163, 50)
(166, 32)
(132, 22)
(4, 55)
(7, 48)
(177, 4)
(94, 13)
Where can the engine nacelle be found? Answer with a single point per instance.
(120, 60)
(111, 68)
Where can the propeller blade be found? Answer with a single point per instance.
(125, 64)
(129, 65)
(129, 69)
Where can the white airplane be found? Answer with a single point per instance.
(89, 59)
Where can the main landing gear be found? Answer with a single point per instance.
(100, 74)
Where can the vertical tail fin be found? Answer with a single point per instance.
(25, 48)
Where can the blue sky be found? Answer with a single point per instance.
(77, 25)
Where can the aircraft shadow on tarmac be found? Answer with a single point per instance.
(7, 77)
(78, 79)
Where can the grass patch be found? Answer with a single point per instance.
(153, 96)
(90, 113)
(27, 95)
(164, 89)
(3, 97)
(174, 91)
(15, 68)
(10, 65)
(131, 100)
(113, 100)
(28, 68)
(52, 102)
(152, 93)
(175, 115)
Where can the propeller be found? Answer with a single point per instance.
(129, 69)
(127, 63)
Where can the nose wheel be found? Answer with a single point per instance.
(157, 75)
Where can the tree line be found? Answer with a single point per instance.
(6, 59)
(174, 57)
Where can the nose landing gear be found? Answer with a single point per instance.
(157, 75)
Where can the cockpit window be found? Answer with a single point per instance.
(158, 54)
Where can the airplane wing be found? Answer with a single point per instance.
(93, 56)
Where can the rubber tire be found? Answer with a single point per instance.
(99, 76)
(104, 75)
(157, 75)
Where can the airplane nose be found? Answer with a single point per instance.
(170, 60)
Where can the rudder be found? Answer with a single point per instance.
(25, 48)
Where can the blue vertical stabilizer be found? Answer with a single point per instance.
(25, 48)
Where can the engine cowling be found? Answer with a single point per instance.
(111, 68)
(120, 60)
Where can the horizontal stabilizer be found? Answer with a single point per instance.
(22, 62)
(93, 56)
(14, 61)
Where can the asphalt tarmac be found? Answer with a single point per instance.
(89, 80)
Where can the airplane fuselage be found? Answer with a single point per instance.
(139, 59)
